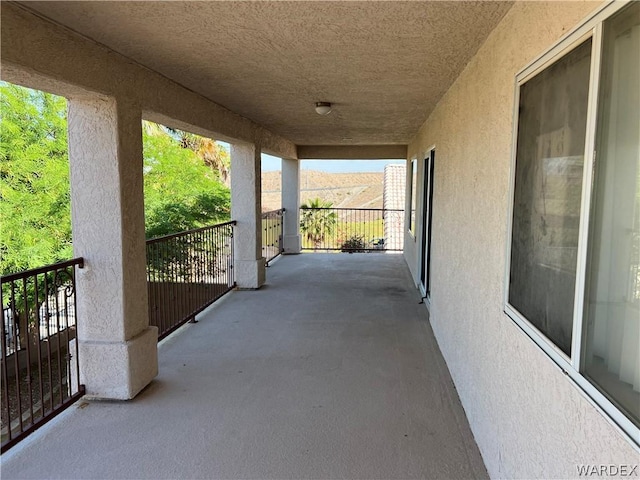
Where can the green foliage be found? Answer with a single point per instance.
(181, 192)
(211, 153)
(34, 173)
(316, 221)
(183, 189)
(355, 243)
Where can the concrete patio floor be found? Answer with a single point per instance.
(329, 371)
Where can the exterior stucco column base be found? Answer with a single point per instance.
(119, 370)
(292, 244)
(251, 274)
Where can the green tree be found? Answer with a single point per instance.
(211, 153)
(181, 192)
(35, 211)
(317, 221)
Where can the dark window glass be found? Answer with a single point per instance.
(548, 187)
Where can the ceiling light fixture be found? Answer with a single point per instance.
(323, 108)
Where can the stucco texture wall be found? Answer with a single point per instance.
(528, 419)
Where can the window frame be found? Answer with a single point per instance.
(412, 185)
(591, 27)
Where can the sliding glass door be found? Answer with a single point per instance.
(427, 214)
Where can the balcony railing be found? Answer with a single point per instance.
(352, 230)
(272, 225)
(187, 272)
(39, 363)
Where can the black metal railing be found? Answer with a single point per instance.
(352, 230)
(39, 362)
(272, 225)
(187, 272)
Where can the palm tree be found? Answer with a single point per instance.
(211, 153)
(317, 221)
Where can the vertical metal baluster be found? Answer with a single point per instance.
(210, 292)
(176, 283)
(219, 244)
(165, 285)
(369, 226)
(77, 320)
(168, 287)
(226, 244)
(185, 277)
(57, 304)
(153, 250)
(188, 276)
(16, 353)
(172, 285)
(204, 255)
(40, 382)
(158, 281)
(149, 287)
(190, 273)
(207, 268)
(215, 253)
(206, 294)
(49, 366)
(5, 374)
(230, 259)
(194, 277)
(66, 337)
(25, 301)
(199, 300)
(159, 285)
(222, 240)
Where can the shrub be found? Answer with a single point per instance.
(353, 244)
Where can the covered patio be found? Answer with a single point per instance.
(328, 366)
(331, 370)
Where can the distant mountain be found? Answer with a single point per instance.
(345, 190)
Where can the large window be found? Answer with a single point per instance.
(574, 263)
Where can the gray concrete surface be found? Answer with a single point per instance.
(329, 371)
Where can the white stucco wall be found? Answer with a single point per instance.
(528, 419)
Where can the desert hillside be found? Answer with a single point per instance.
(344, 190)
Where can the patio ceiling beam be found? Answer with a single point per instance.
(352, 152)
(38, 53)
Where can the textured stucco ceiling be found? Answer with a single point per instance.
(384, 65)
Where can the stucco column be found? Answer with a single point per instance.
(117, 347)
(291, 203)
(249, 265)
